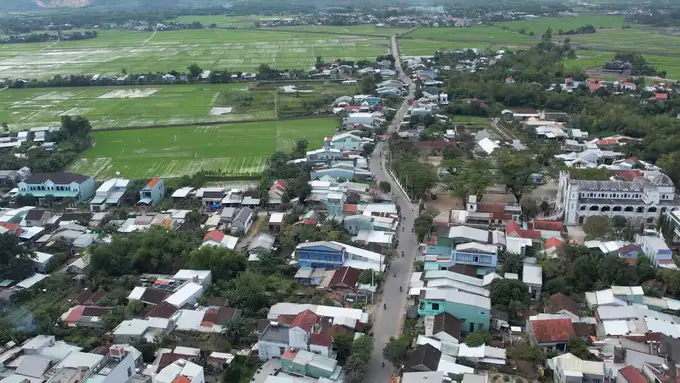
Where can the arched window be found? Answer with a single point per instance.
(628, 209)
(640, 210)
(651, 210)
(583, 207)
(594, 208)
(617, 208)
(606, 208)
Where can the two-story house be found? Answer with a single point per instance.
(302, 362)
(483, 257)
(324, 155)
(153, 192)
(60, 185)
(109, 194)
(320, 254)
(472, 310)
(304, 332)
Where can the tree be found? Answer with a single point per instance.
(368, 149)
(16, 261)
(515, 169)
(222, 262)
(670, 163)
(370, 276)
(422, 225)
(504, 291)
(235, 329)
(619, 222)
(343, 343)
(194, 70)
(478, 338)
(614, 270)
(451, 152)
(298, 188)
(469, 178)
(510, 262)
(579, 348)
(385, 186)
(300, 148)
(598, 227)
(396, 350)
(357, 363)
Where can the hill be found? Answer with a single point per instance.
(32, 5)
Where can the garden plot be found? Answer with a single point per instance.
(236, 149)
(130, 93)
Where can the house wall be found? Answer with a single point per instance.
(290, 366)
(123, 370)
(347, 143)
(156, 193)
(354, 225)
(321, 350)
(268, 350)
(298, 338)
(478, 317)
(80, 192)
(320, 257)
(333, 172)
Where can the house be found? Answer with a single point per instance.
(655, 248)
(276, 192)
(242, 221)
(168, 77)
(561, 304)
(630, 374)
(211, 198)
(134, 330)
(90, 298)
(86, 316)
(304, 331)
(345, 279)
(473, 310)
(487, 145)
(152, 193)
(8, 177)
(61, 185)
(201, 277)
(311, 277)
(324, 155)
(109, 194)
(261, 244)
(38, 217)
(570, 369)
(219, 239)
(366, 119)
(320, 254)
(305, 363)
(276, 221)
(347, 141)
(550, 334)
(444, 327)
(532, 276)
(424, 358)
(180, 371)
(630, 253)
(40, 261)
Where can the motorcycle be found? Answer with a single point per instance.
(384, 306)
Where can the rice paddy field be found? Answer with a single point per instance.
(135, 106)
(141, 52)
(540, 25)
(415, 47)
(368, 29)
(234, 149)
(482, 34)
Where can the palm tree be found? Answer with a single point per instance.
(234, 329)
(510, 263)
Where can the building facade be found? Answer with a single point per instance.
(472, 310)
(60, 185)
(320, 254)
(643, 199)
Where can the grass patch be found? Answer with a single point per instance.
(368, 29)
(234, 149)
(143, 52)
(470, 119)
(473, 34)
(540, 25)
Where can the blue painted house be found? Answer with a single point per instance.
(60, 185)
(484, 257)
(320, 254)
(153, 192)
(474, 311)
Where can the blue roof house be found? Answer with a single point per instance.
(320, 254)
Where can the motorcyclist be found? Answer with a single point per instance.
(385, 306)
(401, 289)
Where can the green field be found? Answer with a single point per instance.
(129, 106)
(540, 25)
(225, 21)
(630, 40)
(143, 52)
(235, 149)
(368, 29)
(483, 34)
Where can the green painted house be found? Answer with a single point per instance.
(309, 364)
(471, 309)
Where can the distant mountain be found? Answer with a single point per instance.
(31, 5)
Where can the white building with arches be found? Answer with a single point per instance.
(642, 199)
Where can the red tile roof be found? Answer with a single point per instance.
(559, 302)
(163, 310)
(548, 225)
(321, 339)
(648, 337)
(629, 248)
(345, 277)
(289, 354)
(513, 228)
(352, 107)
(154, 181)
(350, 208)
(609, 141)
(214, 235)
(594, 87)
(553, 242)
(552, 330)
(632, 375)
(490, 208)
(628, 175)
(181, 379)
(14, 228)
(661, 96)
(305, 320)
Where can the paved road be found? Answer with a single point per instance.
(387, 322)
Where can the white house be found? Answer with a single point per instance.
(109, 194)
(643, 198)
(346, 141)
